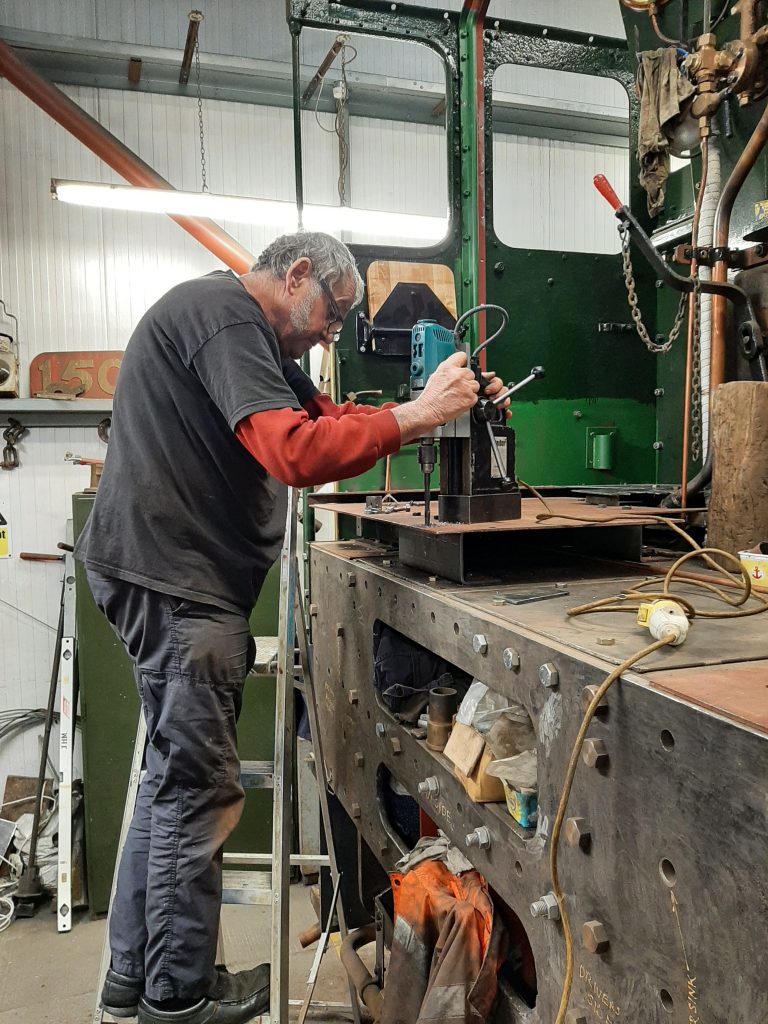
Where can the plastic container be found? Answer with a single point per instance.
(757, 567)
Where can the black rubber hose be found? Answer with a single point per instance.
(366, 986)
(695, 486)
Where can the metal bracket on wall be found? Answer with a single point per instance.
(600, 447)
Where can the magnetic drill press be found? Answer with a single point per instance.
(477, 451)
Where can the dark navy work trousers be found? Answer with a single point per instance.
(190, 662)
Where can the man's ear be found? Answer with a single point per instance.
(299, 272)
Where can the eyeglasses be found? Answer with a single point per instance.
(335, 320)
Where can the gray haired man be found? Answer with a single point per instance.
(212, 418)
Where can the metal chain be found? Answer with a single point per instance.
(200, 112)
(629, 279)
(696, 421)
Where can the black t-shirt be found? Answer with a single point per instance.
(182, 507)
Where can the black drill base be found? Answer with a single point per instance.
(478, 508)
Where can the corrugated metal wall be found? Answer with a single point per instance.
(257, 29)
(544, 198)
(80, 278)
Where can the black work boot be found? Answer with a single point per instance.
(120, 995)
(234, 999)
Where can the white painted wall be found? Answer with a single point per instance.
(78, 278)
(544, 198)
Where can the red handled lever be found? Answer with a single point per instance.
(605, 189)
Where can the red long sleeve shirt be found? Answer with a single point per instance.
(322, 443)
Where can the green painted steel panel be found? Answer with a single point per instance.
(109, 709)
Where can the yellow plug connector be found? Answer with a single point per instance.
(665, 620)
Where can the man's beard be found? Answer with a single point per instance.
(300, 313)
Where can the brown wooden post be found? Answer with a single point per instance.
(738, 511)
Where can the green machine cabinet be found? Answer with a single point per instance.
(109, 708)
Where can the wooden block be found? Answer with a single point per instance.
(382, 276)
(481, 787)
(464, 747)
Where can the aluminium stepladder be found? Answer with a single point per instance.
(274, 656)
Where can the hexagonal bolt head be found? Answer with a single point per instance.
(588, 695)
(354, 696)
(356, 810)
(577, 1016)
(549, 675)
(480, 837)
(430, 786)
(546, 907)
(577, 833)
(381, 729)
(313, 610)
(511, 659)
(397, 746)
(594, 753)
(479, 643)
(594, 937)
(351, 579)
(359, 759)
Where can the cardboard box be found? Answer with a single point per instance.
(481, 787)
(522, 804)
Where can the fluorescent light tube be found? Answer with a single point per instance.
(365, 225)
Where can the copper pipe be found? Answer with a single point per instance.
(195, 17)
(108, 148)
(743, 166)
(657, 30)
(748, 19)
(692, 299)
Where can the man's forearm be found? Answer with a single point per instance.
(414, 421)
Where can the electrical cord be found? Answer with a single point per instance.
(338, 126)
(458, 330)
(562, 808)
(629, 601)
(7, 906)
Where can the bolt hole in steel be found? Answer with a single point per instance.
(518, 867)
(366, 584)
(667, 872)
(378, 592)
(459, 808)
(432, 616)
(666, 1000)
(456, 627)
(667, 739)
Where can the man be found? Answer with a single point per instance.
(212, 418)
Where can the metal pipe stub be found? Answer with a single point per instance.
(442, 709)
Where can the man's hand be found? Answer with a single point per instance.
(450, 391)
(494, 386)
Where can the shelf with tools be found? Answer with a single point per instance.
(55, 412)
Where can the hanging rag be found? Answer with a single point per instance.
(447, 948)
(665, 97)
